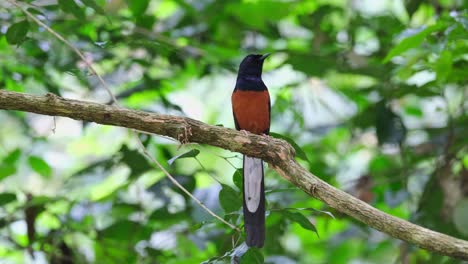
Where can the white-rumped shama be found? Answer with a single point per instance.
(251, 109)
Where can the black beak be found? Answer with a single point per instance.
(264, 56)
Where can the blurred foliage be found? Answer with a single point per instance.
(371, 93)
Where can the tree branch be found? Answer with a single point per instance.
(278, 153)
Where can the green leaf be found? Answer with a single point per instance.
(465, 161)
(299, 152)
(138, 7)
(237, 178)
(124, 210)
(70, 6)
(300, 219)
(92, 4)
(6, 198)
(6, 170)
(259, 13)
(380, 163)
(41, 201)
(312, 210)
(126, 230)
(12, 157)
(145, 21)
(189, 154)
(411, 42)
(17, 32)
(8, 165)
(252, 256)
(40, 166)
(135, 161)
(443, 66)
(414, 111)
(324, 212)
(35, 12)
(229, 199)
(164, 219)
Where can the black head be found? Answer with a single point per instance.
(252, 65)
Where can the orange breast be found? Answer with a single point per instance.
(252, 110)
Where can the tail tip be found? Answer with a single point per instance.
(255, 237)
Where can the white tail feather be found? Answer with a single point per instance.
(253, 173)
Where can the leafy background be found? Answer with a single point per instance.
(372, 92)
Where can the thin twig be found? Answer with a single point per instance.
(225, 158)
(114, 100)
(66, 42)
(152, 134)
(147, 155)
(203, 168)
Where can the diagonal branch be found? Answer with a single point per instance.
(278, 153)
(79, 53)
(115, 102)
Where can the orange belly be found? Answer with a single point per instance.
(251, 110)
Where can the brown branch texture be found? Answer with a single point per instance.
(278, 153)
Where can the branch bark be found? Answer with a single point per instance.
(278, 153)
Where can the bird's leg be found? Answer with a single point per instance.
(244, 132)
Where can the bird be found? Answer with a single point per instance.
(251, 108)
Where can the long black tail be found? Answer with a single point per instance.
(254, 202)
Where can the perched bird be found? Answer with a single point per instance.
(251, 109)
